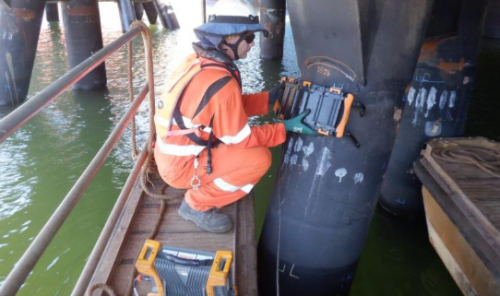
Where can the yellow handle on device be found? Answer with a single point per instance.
(145, 264)
(218, 277)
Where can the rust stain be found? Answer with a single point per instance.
(451, 66)
(279, 27)
(407, 88)
(24, 14)
(397, 114)
(82, 10)
(268, 26)
(429, 56)
(428, 52)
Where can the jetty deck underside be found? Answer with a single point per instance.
(137, 221)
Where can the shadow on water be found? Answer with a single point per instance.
(398, 260)
(63, 139)
(483, 118)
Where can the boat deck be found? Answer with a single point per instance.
(137, 221)
(462, 204)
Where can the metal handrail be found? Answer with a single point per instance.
(30, 108)
(23, 114)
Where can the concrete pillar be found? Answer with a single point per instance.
(167, 15)
(151, 12)
(127, 13)
(272, 16)
(437, 101)
(20, 23)
(139, 10)
(323, 200)
(51, 12)
(82, 31)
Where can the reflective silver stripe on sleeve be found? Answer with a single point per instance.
(223, 185)
(240, 136)
(189, 124)
(178, 150)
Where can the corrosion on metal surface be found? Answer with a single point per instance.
(430, 55)
(82, 10)
(23, 13)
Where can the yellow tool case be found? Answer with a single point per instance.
(176, 271)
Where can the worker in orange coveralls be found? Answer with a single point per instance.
(204, 141)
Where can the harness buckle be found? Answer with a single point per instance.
(195, 182)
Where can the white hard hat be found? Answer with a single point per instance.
(231, 17)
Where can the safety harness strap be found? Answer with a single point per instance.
(234, 71)
(211, 91)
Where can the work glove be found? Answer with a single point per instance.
(296, 125)
(276, 93)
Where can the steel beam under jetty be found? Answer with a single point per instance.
(327, 188)
(436, 102)
(82, 30)
(167, 15)
(20, 22)
(127, 13)
(151, 12)
(52, 12)
(139, 10)
(272, 13)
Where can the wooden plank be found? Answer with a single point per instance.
(478, 213)
(110, 254)
(467, 269)
(246, 265)
(472, 234)
(139, 217)
(471, 259)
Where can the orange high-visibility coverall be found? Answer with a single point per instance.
(242, 157)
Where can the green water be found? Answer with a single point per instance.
(41, 162)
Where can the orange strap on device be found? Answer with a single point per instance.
(348, 101)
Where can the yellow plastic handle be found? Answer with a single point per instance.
(146, 266)
(218, 277)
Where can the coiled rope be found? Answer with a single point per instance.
(149, 165)
(487, 160)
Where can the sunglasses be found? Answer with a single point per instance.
(249, 38)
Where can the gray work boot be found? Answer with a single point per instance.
(211, 220)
